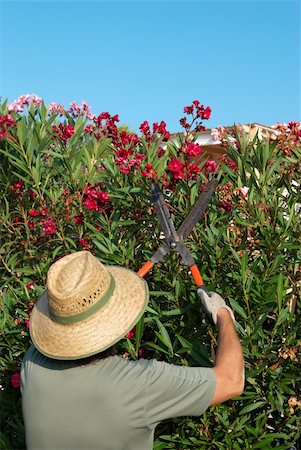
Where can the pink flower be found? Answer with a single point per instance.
(15, 380)
(30, 285)
(80, 110)
(24, 100)
(210, 166)
(244, 191)
(56, 108)
(27, 323)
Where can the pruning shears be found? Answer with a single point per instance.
(174, 239)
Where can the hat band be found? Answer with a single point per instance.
(89, 312)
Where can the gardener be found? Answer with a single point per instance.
(73, 400)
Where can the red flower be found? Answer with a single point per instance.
(30, 285)
(161, 129)
(140, 156)
(79, 220)
(103, 197)
(6, 121)
(227, 206)
(91, 204)
(49, 227)
(206, 113)
(33, 213)
(15, 380)
(177, 168)
(32, 194)
(17, 187)
(124, 169)
(193, 150)
(145, 129)
(148, 172)
(27, 323)
(188, 109)
(30, 225)
(184, 124)
(44, 211)
(63, 132)
(84, 242)
(210, 166)
(131, 333)
(193, 170)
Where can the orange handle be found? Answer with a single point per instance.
(145, 268)
(196, 275)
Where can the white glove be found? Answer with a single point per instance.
(212, 303)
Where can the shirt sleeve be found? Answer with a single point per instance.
(174, 391)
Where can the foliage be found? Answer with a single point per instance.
(71, 181)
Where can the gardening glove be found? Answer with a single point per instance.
(211, 303)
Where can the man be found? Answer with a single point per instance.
(74, 401)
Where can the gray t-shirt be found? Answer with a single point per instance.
(110, 404)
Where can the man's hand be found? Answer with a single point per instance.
(212, 303)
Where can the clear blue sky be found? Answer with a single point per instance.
(146, 60)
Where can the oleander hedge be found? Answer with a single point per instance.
(70, 180)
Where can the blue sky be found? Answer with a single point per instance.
(146, 60)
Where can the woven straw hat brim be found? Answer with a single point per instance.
(100, 331)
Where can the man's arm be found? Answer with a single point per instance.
(229, 364)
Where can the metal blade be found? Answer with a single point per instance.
(163, 214)
(197, 211)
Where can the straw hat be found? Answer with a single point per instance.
(86, 308)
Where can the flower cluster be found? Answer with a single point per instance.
(56, 108)
(84, 109)
(104, 126)
(63, 132)
(198, 113)
(95, 198)
(287, 136)
(288, 353)
(293, 403)
(126, 160)
(6, 122)
(15, 380)
(24, 100)
(159, 131)
(41, 217)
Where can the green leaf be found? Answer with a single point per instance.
(251, 407)
(163, 335)
(237, 308)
